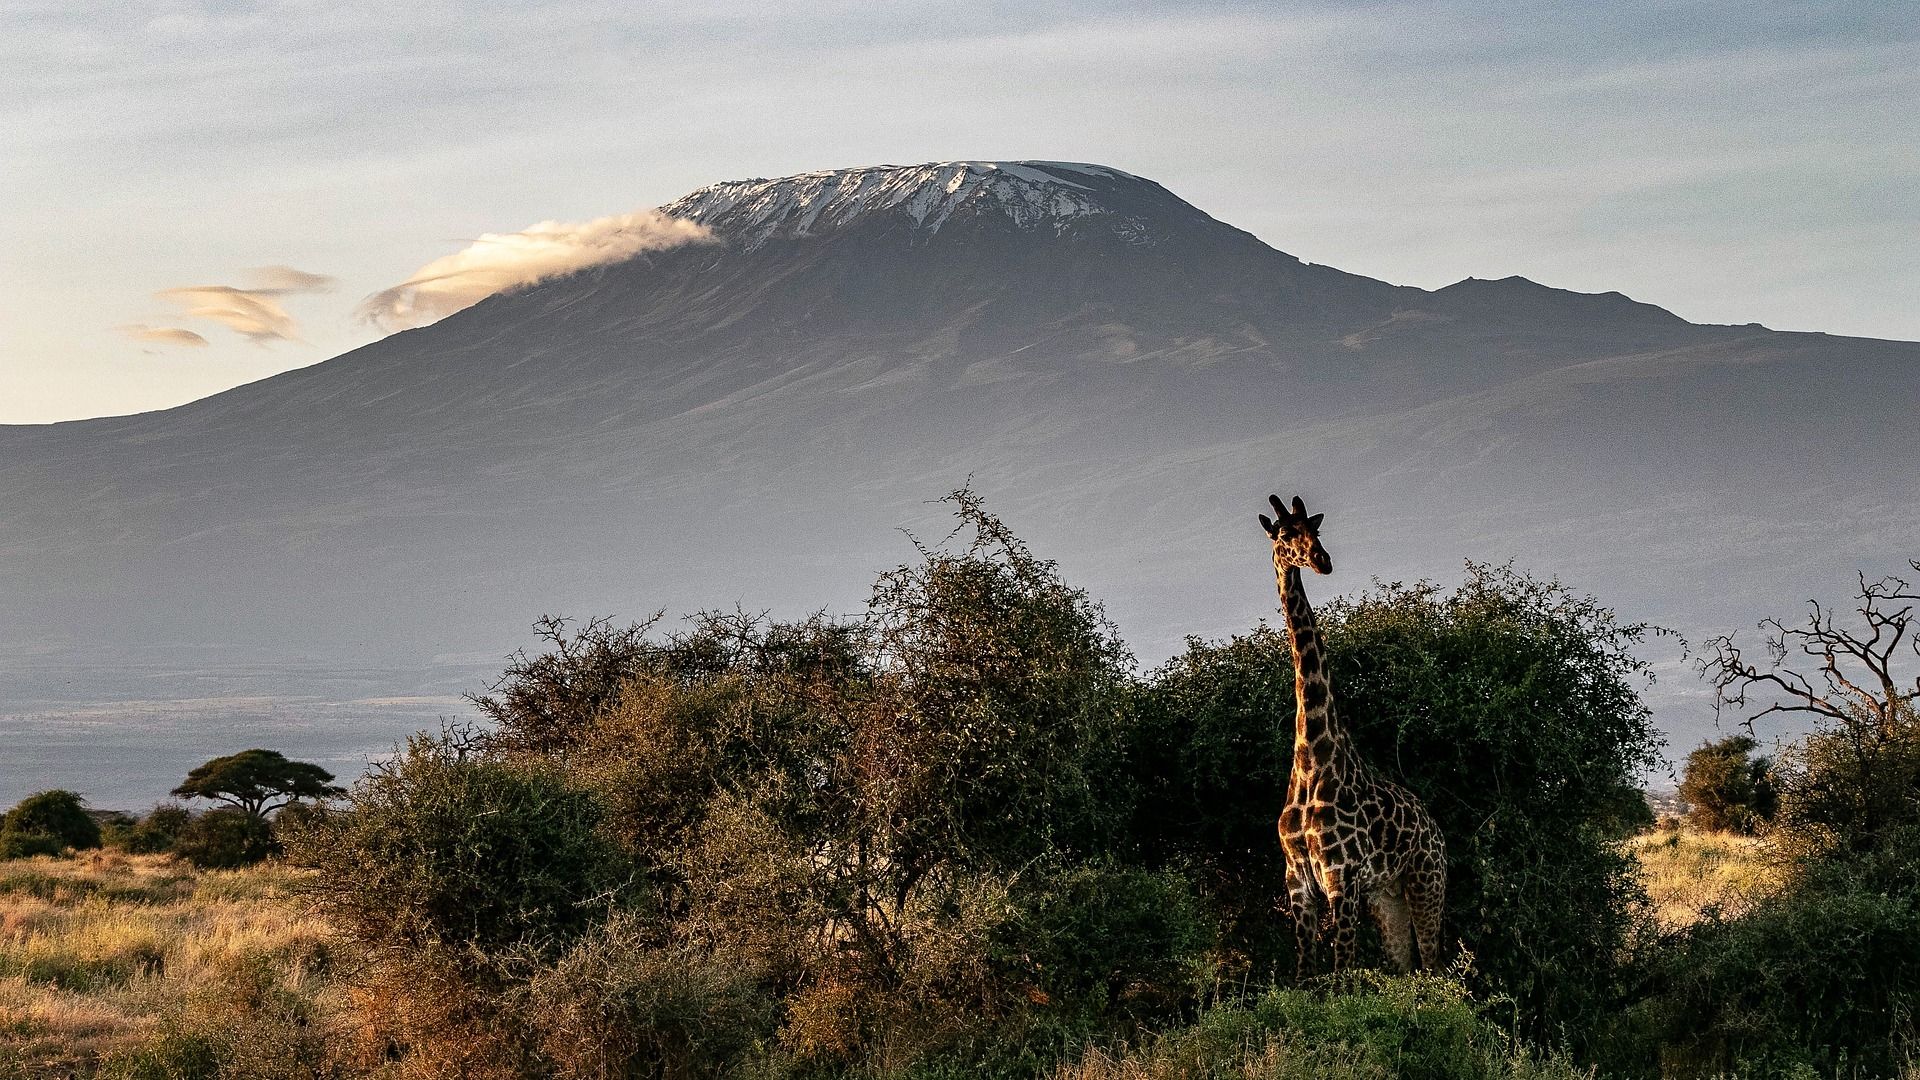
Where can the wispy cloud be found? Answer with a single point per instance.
(498, 262)
(163, 335)
(286, 279)
(254, 313)
(256, 316)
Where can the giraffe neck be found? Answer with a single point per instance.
(1316, 729)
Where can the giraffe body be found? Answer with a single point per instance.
(1349, 835)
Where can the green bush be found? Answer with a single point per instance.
(1124, 941)
(1210, 752)
(543, 703)
(1001, 703)
(1417, 1027)
(241, 1024)
(225, 839)
(158, 832)
(23, 845)
(1726, 788)
(114, 827)
(1512, 707)
(1848, 788)
(849, 808)
(1823, 977)
(1626, 812)
(442, 848)
(48, 822)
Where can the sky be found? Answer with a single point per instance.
(198, 195)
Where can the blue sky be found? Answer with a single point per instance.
(1732, 162)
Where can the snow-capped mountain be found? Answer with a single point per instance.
(752, 421)
(1047, 195)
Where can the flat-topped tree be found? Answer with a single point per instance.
(258, 782)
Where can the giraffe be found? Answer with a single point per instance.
(1348, 834)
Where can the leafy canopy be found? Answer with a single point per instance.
(256, 781)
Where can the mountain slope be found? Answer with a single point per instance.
(750, 420)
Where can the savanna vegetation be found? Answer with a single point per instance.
(964, 835)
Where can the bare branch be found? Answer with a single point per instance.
(1854, 671)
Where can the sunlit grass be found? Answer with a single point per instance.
(99, 953)
(1687, 872)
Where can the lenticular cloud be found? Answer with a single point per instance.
(254, 313)
(163, 335)
(498, 262)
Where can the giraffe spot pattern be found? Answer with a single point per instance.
(1347, 834)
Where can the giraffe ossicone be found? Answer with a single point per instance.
(1348, 834)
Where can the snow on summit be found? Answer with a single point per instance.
(1032, 194)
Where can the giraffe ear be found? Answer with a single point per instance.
(1267, 524)
(1299, 508)
(1313, 523)
(1279, 508)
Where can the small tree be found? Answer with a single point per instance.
(1856, 778)
(1726, 788)
(49, 821)
(258, 781)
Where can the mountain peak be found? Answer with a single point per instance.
(1029, 195)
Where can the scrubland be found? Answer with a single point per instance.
(141, 965)
(964, 835)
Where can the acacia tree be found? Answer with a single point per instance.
(1858, 774)
(257, 782)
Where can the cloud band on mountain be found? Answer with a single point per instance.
(499, 262)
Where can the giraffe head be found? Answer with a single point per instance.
(1295, 536)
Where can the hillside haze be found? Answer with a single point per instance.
(335, 552)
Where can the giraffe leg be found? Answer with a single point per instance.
(1427, 900)
(1344, 913)
(1300, 905)
(1394, 916)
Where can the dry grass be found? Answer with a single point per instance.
(111, 962)
(100, 953)
(1687, 872)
